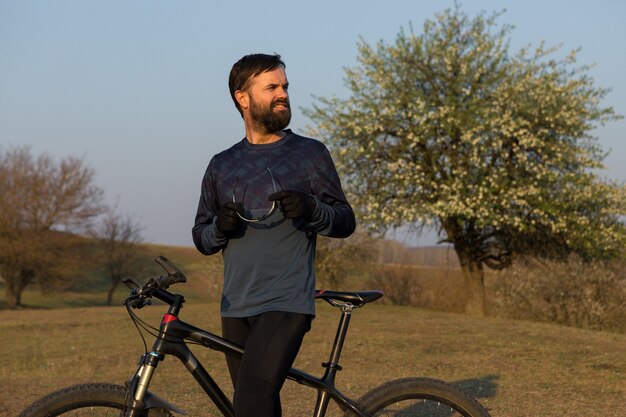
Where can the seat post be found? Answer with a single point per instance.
(340, 337)
(332, 366)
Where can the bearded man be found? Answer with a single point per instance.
(262, 203)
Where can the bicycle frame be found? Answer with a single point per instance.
(170, 341)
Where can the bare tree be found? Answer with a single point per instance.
(118, 236)
(41, 199)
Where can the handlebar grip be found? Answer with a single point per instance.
(166, 281)
(130, 283)
(174, 275)
(168, 265)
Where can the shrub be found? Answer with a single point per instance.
(429, 288)
(581, 294)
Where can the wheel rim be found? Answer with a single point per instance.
(421, 407)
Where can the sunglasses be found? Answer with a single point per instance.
(272, 209)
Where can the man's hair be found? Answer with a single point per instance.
(248, 67)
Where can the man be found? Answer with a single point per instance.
(262, 203)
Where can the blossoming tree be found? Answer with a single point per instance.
(449, 129)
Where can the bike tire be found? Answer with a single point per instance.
(85, 400)
(412, 397)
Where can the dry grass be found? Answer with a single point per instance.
(516, 368)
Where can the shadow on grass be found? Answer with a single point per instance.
(485, 387)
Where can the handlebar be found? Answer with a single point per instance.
(157, 287)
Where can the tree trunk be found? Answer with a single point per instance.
(114, 282)
(474, 277)
(460, 234)
(13, 292)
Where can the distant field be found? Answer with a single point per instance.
(204, 275)
(517, 369)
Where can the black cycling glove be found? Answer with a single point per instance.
(295, 204)
(227, 219)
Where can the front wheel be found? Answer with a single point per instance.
(412, 397)
(85, 400)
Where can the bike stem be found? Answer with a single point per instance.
(332, 366)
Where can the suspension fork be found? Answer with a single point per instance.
(138, 385)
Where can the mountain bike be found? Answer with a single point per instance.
(414, 396)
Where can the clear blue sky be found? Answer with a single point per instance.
(139, 88)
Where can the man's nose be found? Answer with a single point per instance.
(282, 93)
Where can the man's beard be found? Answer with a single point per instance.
(268, 121)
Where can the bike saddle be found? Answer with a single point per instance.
(356, 298)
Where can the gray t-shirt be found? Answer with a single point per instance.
(269, 266)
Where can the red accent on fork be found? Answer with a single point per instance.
(168, 317)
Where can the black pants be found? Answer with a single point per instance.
(271, 341)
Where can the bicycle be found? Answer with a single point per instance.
(415, 396)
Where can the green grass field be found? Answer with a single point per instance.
(517, 369)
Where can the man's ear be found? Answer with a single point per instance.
(243, 98)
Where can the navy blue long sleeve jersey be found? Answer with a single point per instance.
(269, 266)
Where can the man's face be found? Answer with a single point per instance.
(270, 110)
